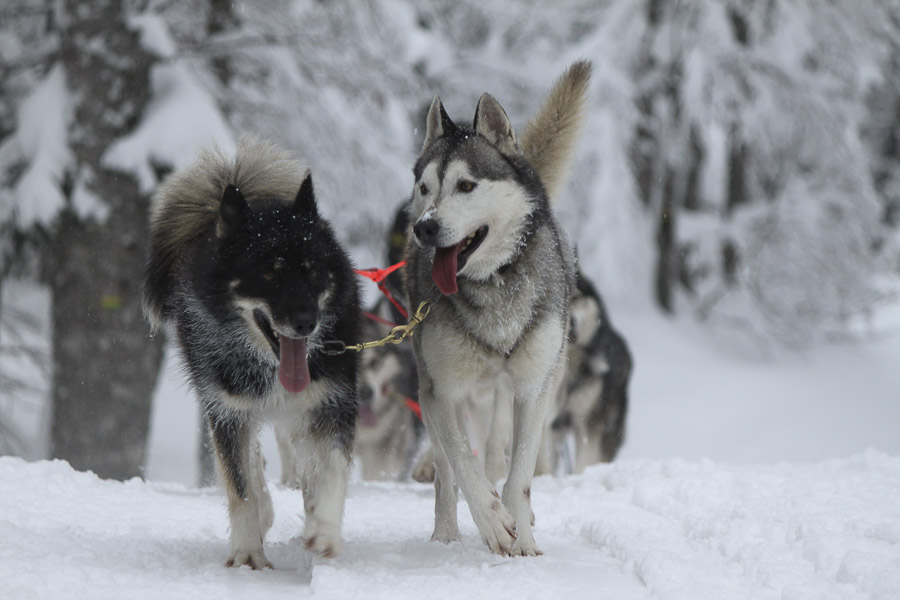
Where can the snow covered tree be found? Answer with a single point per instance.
(739, 161)
(748, 151)
(89, 226)
(105, 365)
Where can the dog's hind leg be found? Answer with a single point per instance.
(284, 436)
(324, 484)
(548, 456)
(249, 504)
(446, 492)
(495, 465)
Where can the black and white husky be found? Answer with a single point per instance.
(499, 271)
(253, 281)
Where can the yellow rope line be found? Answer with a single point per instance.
(398, 333)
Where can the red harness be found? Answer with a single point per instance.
(378, 276)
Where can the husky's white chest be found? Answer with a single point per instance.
(458, 360)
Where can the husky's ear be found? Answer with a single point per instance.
(232, 212)
(305, 202)
(491, 122)
(437, 123)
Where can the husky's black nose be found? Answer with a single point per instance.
(427, 231)
(304, 323)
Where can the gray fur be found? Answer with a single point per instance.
(492, 123)
(505, 328)
(551, 136)
(599, 370)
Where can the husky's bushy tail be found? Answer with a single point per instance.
(551, 136)
(188, 203)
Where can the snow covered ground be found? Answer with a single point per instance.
(742, 477)
(636, 529)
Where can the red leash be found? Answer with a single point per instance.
(378, 276)
(413, 406)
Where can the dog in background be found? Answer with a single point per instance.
(253, 280)
(599, 368)
(388, 431)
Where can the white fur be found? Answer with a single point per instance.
(384, 448)
(501, 205)
(245, 307)
(586, 314)
(475, 344)
(464, 368)
(324, 485)
(250, 516)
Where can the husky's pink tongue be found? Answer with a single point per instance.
(367, 416)
(293, 372)
(443, 269)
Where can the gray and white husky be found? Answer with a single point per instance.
(499, 272)
(599, 368)
(253, 281)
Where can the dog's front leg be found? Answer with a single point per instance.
(249, 503)
(496, 525)
(534, 390)
(528, 422)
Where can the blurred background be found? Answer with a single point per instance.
(736, 197)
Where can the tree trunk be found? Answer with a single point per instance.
(667, 258)
(105, 365)
(737, 197)
(222, 18)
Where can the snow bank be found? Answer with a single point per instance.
(641, 528)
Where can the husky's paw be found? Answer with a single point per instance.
(321, 538)
(525, 547)
(497, 527)
(255, 559)
(324, 545)
(423, 471)
(445, 533)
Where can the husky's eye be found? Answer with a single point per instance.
(423, 189)
(465, 186)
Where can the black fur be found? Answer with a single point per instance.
(274, 252)
(209, 328)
